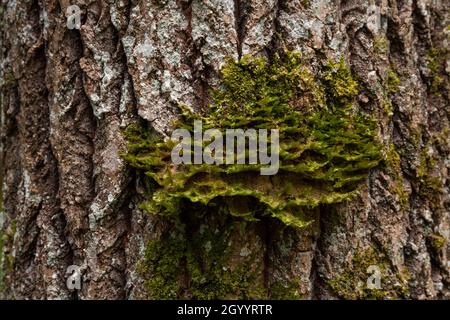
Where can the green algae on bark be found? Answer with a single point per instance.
(327, 147)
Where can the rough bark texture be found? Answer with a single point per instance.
(66, 95)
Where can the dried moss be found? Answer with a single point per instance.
(306, 3)
(163, 262)
(390, 86)
(327, 148)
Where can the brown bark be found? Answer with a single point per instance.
(66, 95)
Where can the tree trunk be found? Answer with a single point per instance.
(70, 199)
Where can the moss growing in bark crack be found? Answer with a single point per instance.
(6, 259)
(381, 45)
(435, 65)
(429, 184)
(162, 261)
(352, 282)
(200, 266)
(290, 291)
(326, 147)
(392, 81)
(437, 241)
(392, 160)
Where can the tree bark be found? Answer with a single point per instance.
(68, 198)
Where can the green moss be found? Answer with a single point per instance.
(391, 84)
(381, 45)
(163, 261)
(392, 159)
(435, 65)
(8, 80)
(283, 291)
(327, 148)
(438, 241)
(339, 83)
(440, 139)
(387, 105)
(200, 266)
(429, 184)
(352, 282)
(393, 162)
(392, 81)
(306, 3)
(403, 196)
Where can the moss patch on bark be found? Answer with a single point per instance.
(327, 147)
(351, 284)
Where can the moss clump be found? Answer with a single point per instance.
(326, 147)
(440, 139)
(391, 84)
(352, 282)
(429, 184)
(393, 162)
(435, 65)
(306, 3)
(392, 81)
(200, 266)
(289, 291)
(381, 45)
(163, 263)
(438, 241)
